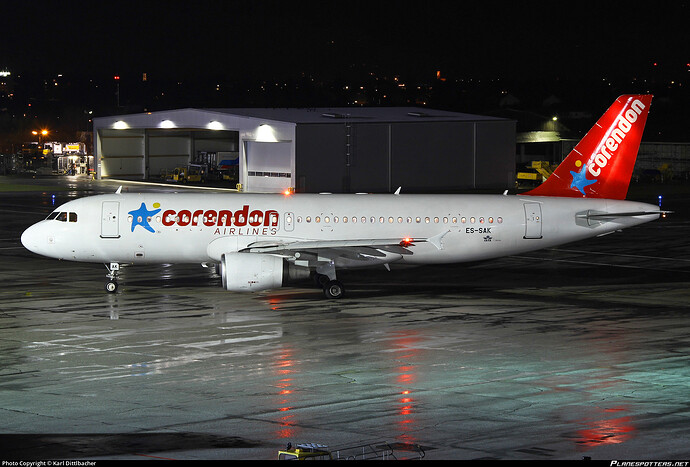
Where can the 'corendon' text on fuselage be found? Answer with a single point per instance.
(221, 218)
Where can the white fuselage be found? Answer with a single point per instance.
(198, 228)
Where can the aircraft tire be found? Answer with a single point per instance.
(334, 289)
(111, 286)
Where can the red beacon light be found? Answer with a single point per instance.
(407, 241)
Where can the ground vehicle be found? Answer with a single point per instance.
(191, 173)
(375, 451)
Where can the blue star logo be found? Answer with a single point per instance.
(141, 217)
(580, 180)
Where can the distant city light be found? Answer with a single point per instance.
(4, 74)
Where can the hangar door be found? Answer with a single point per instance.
(269, 166)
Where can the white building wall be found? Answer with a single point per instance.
(123, 149)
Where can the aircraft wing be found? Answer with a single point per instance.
(276, 247)
(351, 253)
(318, 245)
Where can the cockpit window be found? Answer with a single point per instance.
(63, 216)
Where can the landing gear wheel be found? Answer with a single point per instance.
(111, 284)
(334, 289)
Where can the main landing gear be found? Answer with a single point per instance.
(325, 278)
(111, 284)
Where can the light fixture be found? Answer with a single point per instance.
(120, 125)
(265, 134)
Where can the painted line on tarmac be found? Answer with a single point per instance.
(619, 254)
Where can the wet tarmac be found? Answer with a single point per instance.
(579, 351)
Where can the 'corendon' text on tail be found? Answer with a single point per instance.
(601, 165)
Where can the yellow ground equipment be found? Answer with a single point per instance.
(188, 174)
(376, 451)
(311, 451)
(541, 170)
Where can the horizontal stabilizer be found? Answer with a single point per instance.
(594, 218)
(613, 215)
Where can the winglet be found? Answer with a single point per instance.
(119, 190)
(397, 192)
(437, 240)
(601, 164)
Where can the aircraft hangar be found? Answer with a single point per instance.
(353, 149)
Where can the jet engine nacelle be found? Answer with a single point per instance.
(251, 272)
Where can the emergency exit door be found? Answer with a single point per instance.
(110, 222)
(533, 220)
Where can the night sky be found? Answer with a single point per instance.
(274, 39)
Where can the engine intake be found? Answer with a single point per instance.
(252, 272)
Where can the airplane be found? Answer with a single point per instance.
(263, 241)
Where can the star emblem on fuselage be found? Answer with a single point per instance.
(140, 217)
(580, 180)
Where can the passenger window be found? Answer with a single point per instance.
(73, 217)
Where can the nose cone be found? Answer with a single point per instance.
(33, 240)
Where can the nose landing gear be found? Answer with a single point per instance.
(111, 284)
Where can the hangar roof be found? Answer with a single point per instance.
(359, 114)
(247, 118)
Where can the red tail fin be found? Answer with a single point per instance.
(601, 164)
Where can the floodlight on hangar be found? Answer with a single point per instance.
(265, 134)
(120, 125)
(167, 124)
(215, 125)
